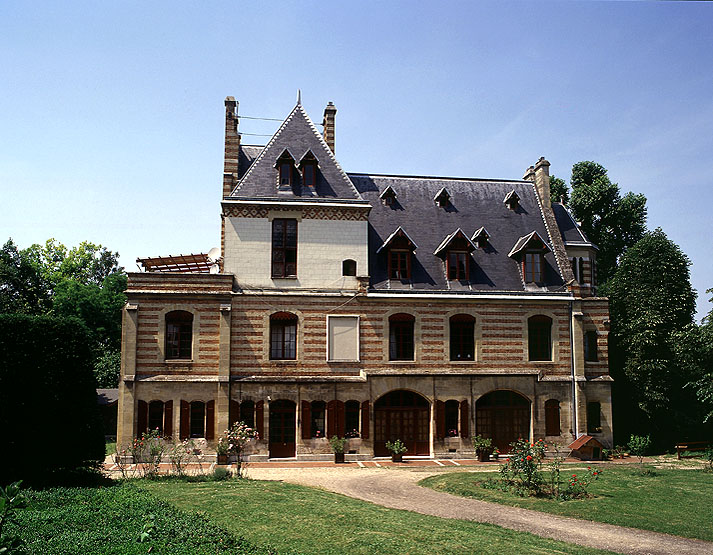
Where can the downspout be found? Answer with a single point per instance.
(575, 400)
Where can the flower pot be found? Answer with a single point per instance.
(338, 457)
(223, 459)
(484, 456)
(397, 457)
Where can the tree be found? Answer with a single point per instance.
(612, 222)
(651, 300)
(559, 192)
(22, 288)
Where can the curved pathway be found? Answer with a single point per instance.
(398, 489)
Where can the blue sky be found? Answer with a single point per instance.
(111, 117)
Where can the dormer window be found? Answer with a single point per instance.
(456, 249)
(530, 252)
(399, 250)
(285, 171)
(512, 200)
(285, 174)
(480, 238)
(442, 198)
(388, 196)
(308, 166)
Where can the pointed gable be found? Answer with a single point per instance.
(532, 241)
(298, 136)
(458, 240)
(398, 238)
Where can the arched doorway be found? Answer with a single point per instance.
(503, 416)
(282, 428)
(403, 415)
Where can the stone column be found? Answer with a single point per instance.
(126, 405)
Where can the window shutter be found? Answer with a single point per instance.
(260, 419)
(306, 420)
(143, 418)
(168, 419)
(464, 418)
(365, 420)
(331, 418)
(340, 417)
(185, 424)
(440, 420)
(233, 412)
(210, 420)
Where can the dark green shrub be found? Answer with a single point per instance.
(48, 406)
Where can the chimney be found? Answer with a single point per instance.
(328, 122)
(542, 181)
(529, 174)
(232, 146)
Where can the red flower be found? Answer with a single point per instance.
(529, 458)
(574, 475)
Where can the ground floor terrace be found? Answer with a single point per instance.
(434, 415)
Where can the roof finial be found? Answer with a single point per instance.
(299, 97)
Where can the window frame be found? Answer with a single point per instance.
(552, 406)
(280, 268)
(354, 317)
(317, 408)
(305, 182)
(178, 340)
(351, 414)
(533, 267)
(402, 326)
(454, 268)
(283, 347)
(537, 339)
(285, 172)
(462, 337)
(192, 418)
(591, 346)
(451, 418)
(399, 256)
(594, 417)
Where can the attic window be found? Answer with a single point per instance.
(308, 165)
(512, 200)
(532, 267)
(399, 249)
(530, 251)
(480, 238)
(285, 166)
(388, 196)
(442, 198)
(456, 249)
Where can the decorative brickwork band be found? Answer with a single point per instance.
(358, 213)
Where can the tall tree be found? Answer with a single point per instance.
(651, 299)
(559, 192)
(23, 290)
(614, 223)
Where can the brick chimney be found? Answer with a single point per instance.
(232, 146)
(540, 175)
(328, 122)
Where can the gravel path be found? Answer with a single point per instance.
(397, 488)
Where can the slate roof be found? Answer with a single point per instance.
(572, 234)
(474, 203)
(297, 135)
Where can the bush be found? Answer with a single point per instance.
(47, 398)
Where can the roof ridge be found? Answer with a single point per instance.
(444, 178)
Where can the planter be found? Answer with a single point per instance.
(397, 457)
(222, 459)
(484, 456)
(338, 458)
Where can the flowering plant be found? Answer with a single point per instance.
(396, 447)
(338, 443)
(237, 437)
(223, 446)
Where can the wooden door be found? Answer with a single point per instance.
(403, 415)
(503, 416)
(282, 429)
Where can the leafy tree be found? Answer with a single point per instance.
(559, 192)
(651, 299)
(22, 288)
(614, 223)
(107, 368)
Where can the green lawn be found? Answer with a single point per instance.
(306, 520)
(674, 501)
(110, 447)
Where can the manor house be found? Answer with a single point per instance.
(369, 306)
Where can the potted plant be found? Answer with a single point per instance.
(221, 450)
(483, 447)
(338, 444)
(397, 449)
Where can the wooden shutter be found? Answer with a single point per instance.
(306, 417)
(143, 418)
(260, 418)
(210, 420)
(440, 420)
(233, 413)
(168, 419)
(464, 418)
(185, 430)
(365, 420)
(339, 412)
(335, 418)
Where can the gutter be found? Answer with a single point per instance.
(575, 400)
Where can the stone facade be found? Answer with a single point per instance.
(233, 373)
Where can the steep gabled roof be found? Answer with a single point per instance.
(399, 233)
(526, 241)
(457, 234)
(572, 234)
(298, 135)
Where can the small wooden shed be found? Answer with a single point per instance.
(586, 448)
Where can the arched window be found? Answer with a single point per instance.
(552, 417)
(283, 336)
(318, 411)
(179, 334)
(451, 416)
(197, 419)
(594, 417)
(462, 337)
(349, 267)
(247, 413)
(351, 419)
(539, 338)
(401, 337)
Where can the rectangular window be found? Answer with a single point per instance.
(343, 338)
(401, 339)
(283, 340)
(590, 346)
(284, 248)
(532, 267)
(197, 419)
(285, 174)
(462, 338)
(457, 265)
(399, 264)
(594, 418)
(308, 175)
